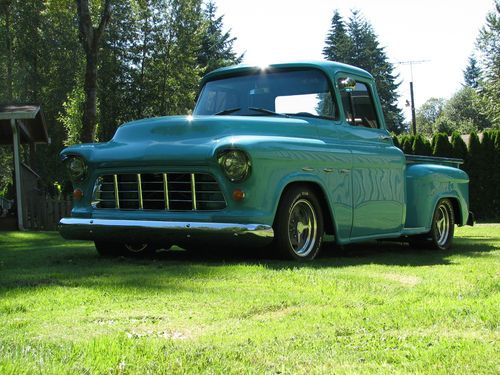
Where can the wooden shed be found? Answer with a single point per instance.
(22, 124)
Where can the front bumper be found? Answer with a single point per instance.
(173, 232)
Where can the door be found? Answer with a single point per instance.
(377, 172)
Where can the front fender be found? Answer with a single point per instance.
(279, 161)
(342, 226)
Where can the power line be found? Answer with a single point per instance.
(413, 115)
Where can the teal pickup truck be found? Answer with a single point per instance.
(275, 157)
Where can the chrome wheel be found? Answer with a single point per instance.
(302, 228)
(442, 225)
(136, 248)
(442, 228)
(298, 226)
(110, 249)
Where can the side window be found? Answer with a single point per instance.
(358, 105)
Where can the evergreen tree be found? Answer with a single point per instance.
(216, 45)
(395, 140)
(459, 146)
(421, 146)
(489, 52)
(473, 168)
(442, 146)
(337, 44)
(407, 144)
(356, 43)
(489, 169)
(472, 73)
(496, 175)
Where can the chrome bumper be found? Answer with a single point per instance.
(157, 231)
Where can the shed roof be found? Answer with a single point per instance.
(30, 120)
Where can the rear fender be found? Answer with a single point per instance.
(426, 185)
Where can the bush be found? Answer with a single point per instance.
(489, 175)
(481, 162)
(472, 167)
(459, 148)
(406, 144)
(395, 140)
(442, 147)
(421, 146)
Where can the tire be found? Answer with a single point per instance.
(442, 229)
(113, 249)
(298, 226)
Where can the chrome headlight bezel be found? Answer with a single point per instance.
(235, 164)
(77, 168)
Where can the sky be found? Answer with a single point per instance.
(442, 33)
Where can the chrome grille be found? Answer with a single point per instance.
(158, 191)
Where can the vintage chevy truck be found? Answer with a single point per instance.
(272, 157)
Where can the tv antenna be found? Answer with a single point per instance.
(413, 115)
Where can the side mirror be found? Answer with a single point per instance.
(347, 84)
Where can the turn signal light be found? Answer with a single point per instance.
(238, 195)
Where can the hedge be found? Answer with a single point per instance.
(481, 162)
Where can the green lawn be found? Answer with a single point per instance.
(375, 308)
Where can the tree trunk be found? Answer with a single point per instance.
(8, 44)
(90, 38)
(90, 106)
(143, 66)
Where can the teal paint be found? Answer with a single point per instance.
(370, 190)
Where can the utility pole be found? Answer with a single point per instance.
(413, 115)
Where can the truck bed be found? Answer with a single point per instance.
(421, 159)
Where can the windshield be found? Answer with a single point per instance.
(273, 93)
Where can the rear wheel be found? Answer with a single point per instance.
(442, 229)
(298, 226)
(110, 249)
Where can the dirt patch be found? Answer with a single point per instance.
(407, 280)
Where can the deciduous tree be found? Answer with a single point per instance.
(91, 38)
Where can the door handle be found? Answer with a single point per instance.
(344, 171)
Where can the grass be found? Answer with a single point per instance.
(374, 308)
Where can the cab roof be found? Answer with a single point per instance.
(329, 67)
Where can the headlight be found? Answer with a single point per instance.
(235, 164)
(77, 168)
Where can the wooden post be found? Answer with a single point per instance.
(17, 171)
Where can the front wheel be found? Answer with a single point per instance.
(110, 249)
(298, 226)
(443, 227)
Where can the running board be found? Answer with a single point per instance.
(412, 231)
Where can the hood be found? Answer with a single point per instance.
(186, 140)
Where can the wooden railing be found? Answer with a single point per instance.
(45, 213)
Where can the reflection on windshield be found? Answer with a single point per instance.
(276, 93)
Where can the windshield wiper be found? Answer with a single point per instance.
(226, 111)
(307, 114)
(267, 111)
